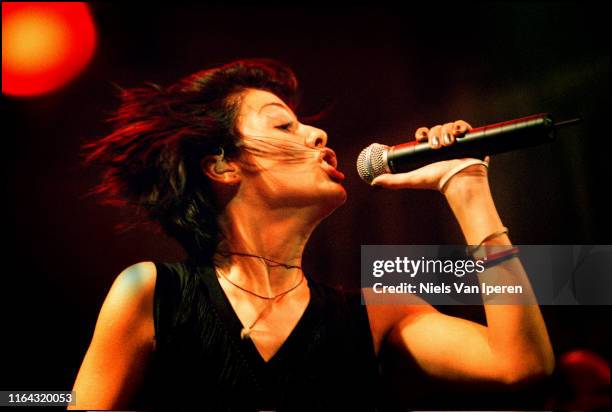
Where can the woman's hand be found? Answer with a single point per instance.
(428, 177)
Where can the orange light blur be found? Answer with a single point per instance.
(44, 45)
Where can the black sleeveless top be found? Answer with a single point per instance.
(200, 362)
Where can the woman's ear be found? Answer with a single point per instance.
(220, 170)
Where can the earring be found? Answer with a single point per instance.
(219, 160)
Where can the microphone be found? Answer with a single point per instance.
(533, 130)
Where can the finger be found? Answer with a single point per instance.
(460, 127)
(421, 134)
(487, 160)
(434, 136)
(402, 180)
(447, 136)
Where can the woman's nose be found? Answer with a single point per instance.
(316, 138)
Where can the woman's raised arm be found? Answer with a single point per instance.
(514, 345)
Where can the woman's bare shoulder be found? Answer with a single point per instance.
(130, 298)
(141, 272)
(135, 281)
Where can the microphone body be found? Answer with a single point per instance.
(528, 131)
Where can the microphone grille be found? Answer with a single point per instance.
(371, 162)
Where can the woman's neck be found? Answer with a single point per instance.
(278, 239)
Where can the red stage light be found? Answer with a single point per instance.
(44, 45)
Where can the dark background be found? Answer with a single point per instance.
(380, 73)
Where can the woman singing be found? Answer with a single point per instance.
(220, 161)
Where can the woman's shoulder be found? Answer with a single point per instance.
(141, 272)
(128, 305)
(135, 282)
(133, 291)
(142, 279)
(151, 288)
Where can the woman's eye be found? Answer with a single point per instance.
(286, 126)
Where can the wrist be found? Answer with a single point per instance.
(467, 186)
(470, 199)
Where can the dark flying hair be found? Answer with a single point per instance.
(151, 160)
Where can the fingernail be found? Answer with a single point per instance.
(447, 138)
(434, 141)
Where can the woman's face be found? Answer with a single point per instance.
(284, 162)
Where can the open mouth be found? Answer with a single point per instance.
(329, 163)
